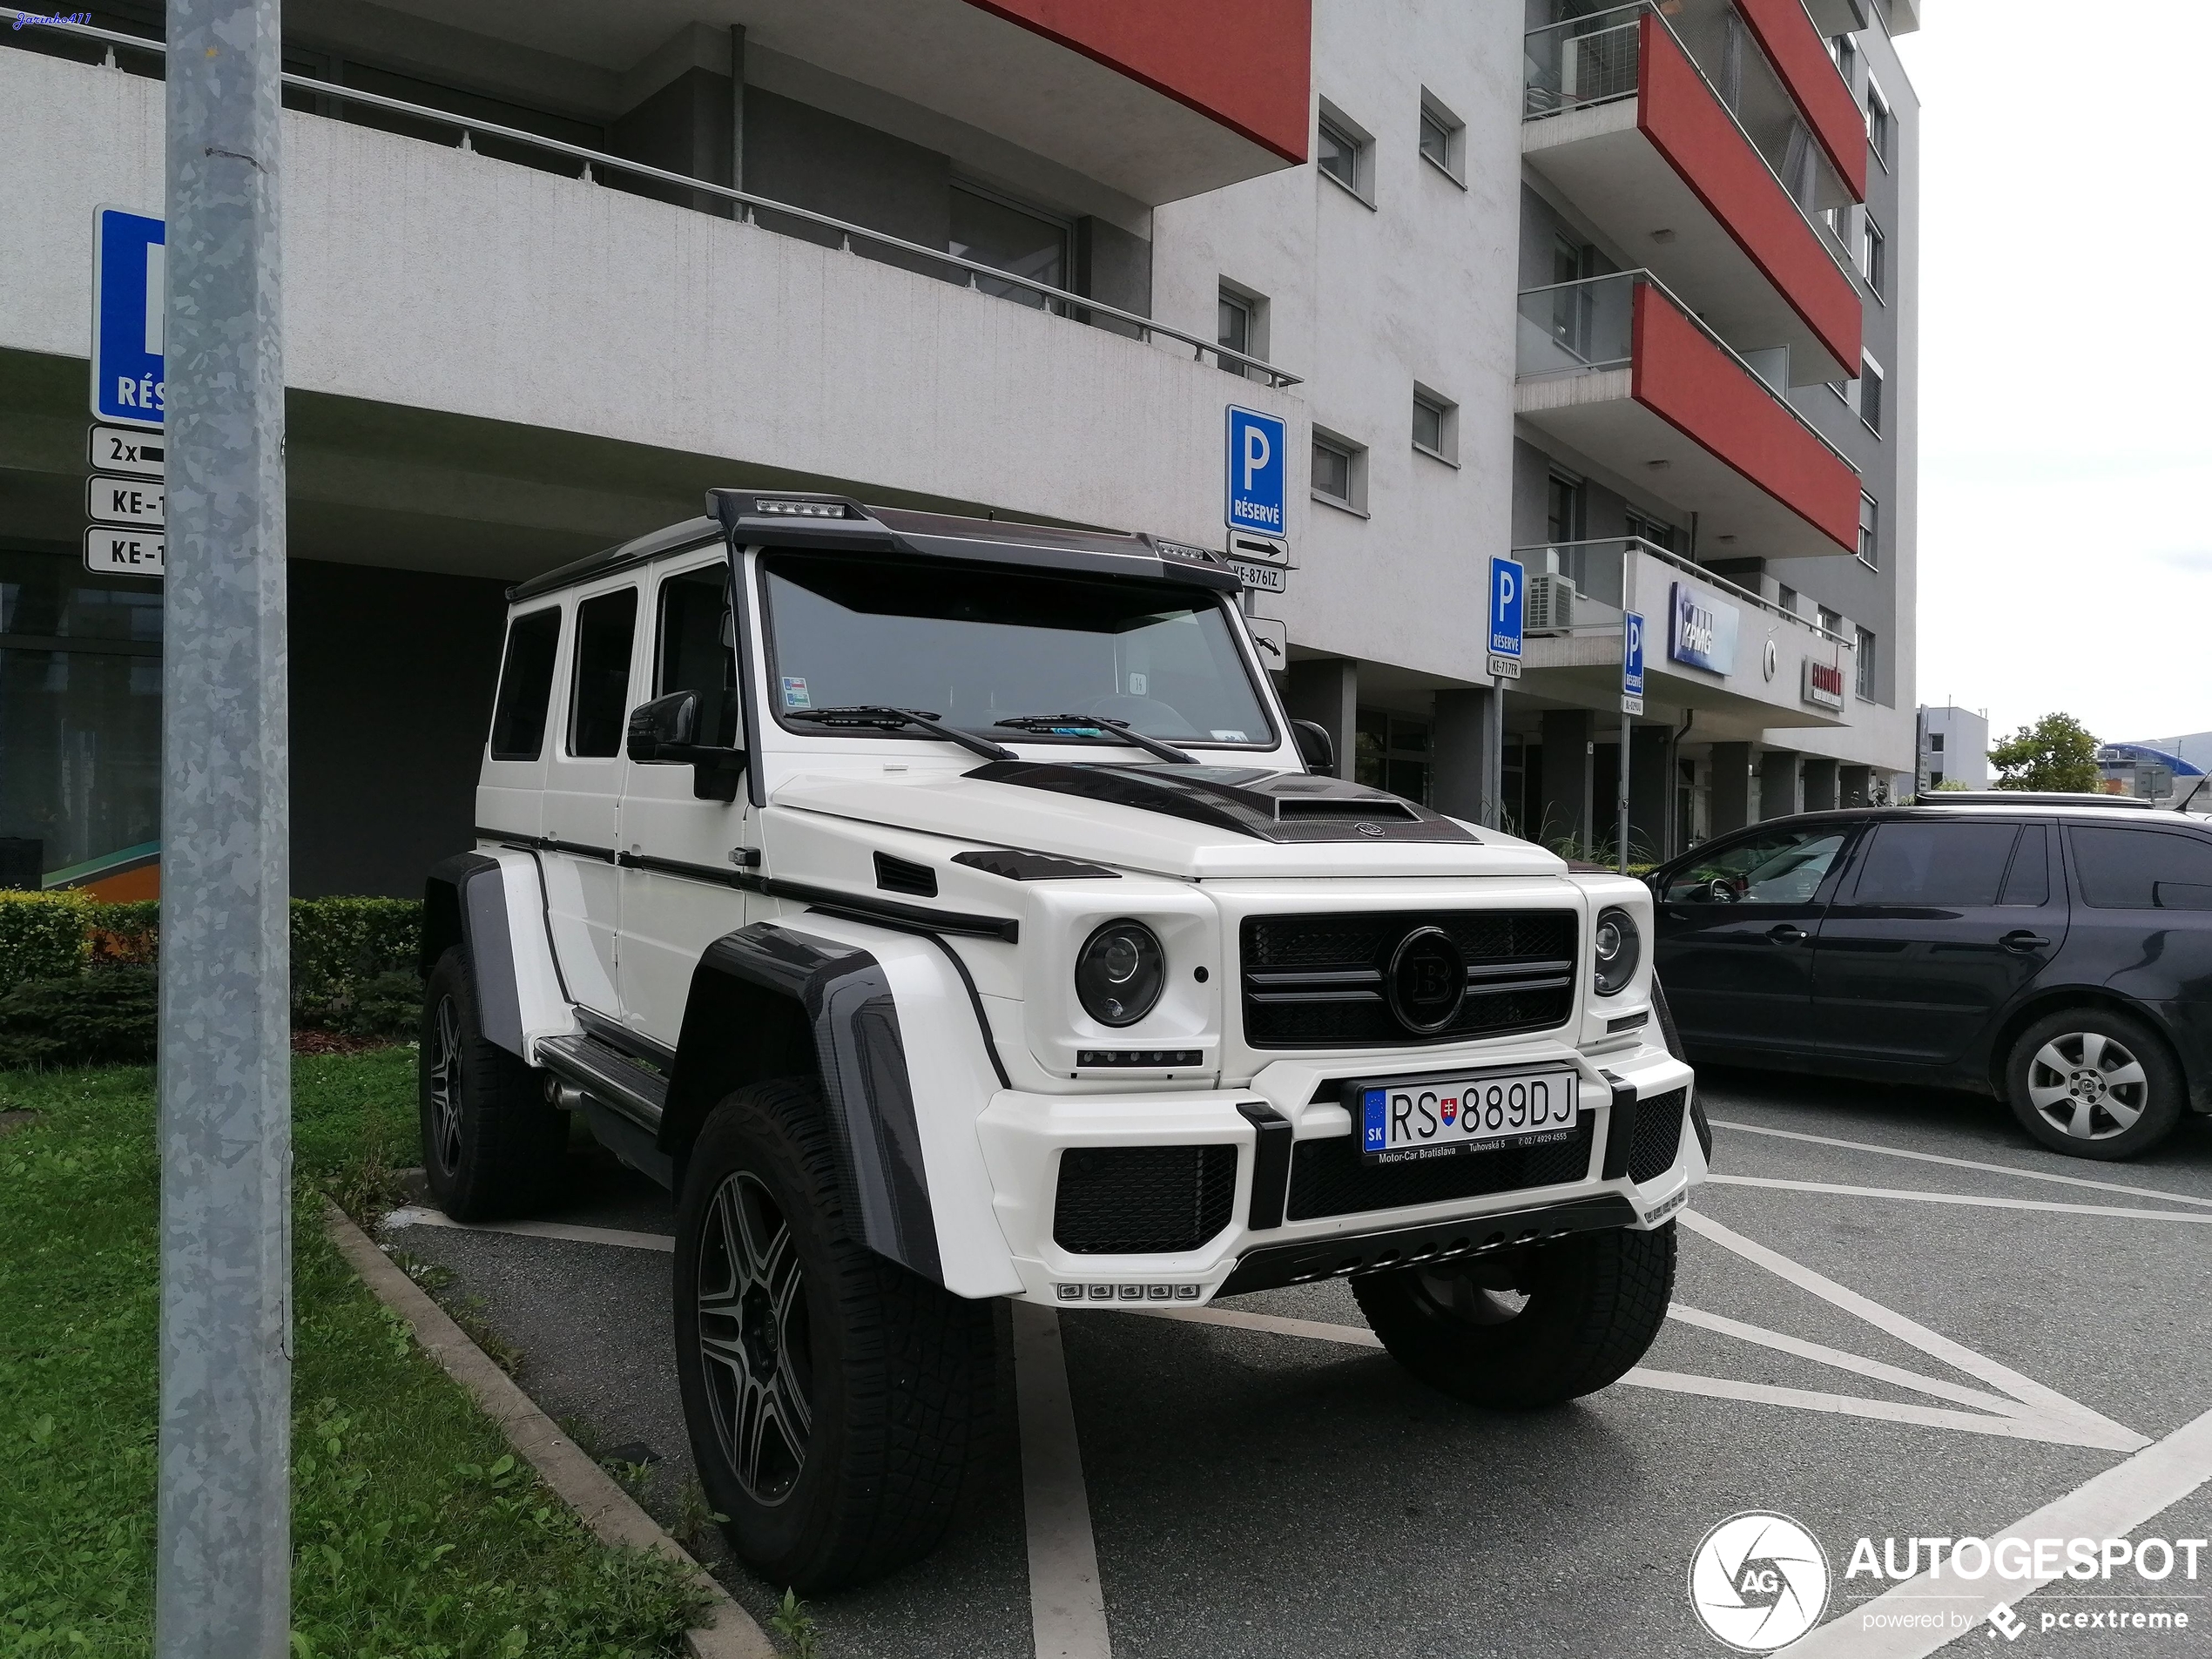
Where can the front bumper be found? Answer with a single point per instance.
(1025, 1136)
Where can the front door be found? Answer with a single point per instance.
(1939, 925)
(1735, 924)
(583, 797)
(678, 896)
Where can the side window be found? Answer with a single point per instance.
(525, 685)
(689, 654)
(2141, 869)
(599, 693)
(2028, 882)
(1783, 866)
(1938, 864)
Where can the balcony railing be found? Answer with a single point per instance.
(1599, 570)
(1054, 300)
(1586, 326)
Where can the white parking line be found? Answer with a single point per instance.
(418, 1216)
(1067, 1606)
(1963, 1164)
(1976, 1201)
(2110, 1505)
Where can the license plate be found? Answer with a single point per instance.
(1439, 1116)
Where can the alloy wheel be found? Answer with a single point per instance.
(754, 1338)
(2087, 1085)
(445, 1084)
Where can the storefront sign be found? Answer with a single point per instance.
(1824, 685)
(1700, 630)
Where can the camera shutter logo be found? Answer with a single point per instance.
(1758, 1582)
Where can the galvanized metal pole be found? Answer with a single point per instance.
(1621, 807)
(223, 1559)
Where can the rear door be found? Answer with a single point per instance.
(583, 794)
(1736, 920)
(1940, 923)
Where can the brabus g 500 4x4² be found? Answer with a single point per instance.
(944, 910)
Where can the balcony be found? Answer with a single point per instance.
(1616, 367)
(1776, 667)
(1622, 120)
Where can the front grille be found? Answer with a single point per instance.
(1327, 1177)
(1141, 1200)
(1651, 1149)
(1316, 982)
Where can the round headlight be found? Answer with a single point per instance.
(1617, 948)
(1120, 973)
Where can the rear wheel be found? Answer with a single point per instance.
(835, 1401)
(1533, 1329)
(2095, 1083)
(491, 1146)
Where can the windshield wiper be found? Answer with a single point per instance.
(887, 719)
(1094, 725)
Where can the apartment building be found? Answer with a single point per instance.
(1624, 294)
(1954, 747)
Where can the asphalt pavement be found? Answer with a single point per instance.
(1897, 1316)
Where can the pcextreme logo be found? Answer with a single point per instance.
(1758, 1582)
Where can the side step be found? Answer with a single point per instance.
(622, 1100)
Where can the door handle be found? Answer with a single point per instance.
(1786, 932)
(2020, 939)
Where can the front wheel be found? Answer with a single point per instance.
(834, 1401)
(1533, 1329)
(2095, 1083)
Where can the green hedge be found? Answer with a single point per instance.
(43, 935)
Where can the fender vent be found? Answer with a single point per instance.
(902, 875)
(1658, 1136)
(1141, 1200)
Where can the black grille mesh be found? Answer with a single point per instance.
(1364, 941)
(1327, 1177)
(1141, 1200)
(1658, 1134)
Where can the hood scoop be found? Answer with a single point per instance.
(1266, 806)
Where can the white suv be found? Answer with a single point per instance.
(946, 910)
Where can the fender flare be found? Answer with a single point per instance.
(464, 903)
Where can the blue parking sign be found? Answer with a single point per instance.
(130, 289)
(1253, 500)
(1631, 654)
(1508, 584)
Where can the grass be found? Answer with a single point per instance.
(416, 1533)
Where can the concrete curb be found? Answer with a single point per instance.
(612, 1514)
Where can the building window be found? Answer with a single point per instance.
(1870, 531)
(1865, 674)
(1660, 534)
(1026, 241)
(1345, 152)
(1870, 393)
(1441, 136)
(1392, 754)
(1874, 256)
(1844, 51)
(1436, 425)
(1241, 326)
(1832, 622)
(1878, 123)
(1786, 596)
(1339, 472)
(1935, 743)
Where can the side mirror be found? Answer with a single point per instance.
(664, 733)
(1314, 746)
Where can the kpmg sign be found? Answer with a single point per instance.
(1700, 630)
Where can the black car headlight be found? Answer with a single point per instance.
(1120, 973)
(1617, 948)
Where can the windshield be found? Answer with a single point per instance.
(971, 646)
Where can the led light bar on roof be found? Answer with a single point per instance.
(800, 508)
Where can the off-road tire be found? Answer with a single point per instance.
(899, 1373)
(491, 1146)
(1595, 1301)
(2161, 1099)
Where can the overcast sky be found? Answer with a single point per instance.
(2065, 446)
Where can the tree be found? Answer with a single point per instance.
(2056, 753)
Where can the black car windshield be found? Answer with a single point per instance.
(974, 645)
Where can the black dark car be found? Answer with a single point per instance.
(2054, 951)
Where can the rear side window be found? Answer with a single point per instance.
(1936, 865)
(2028, 882)
(599, 698)
(525, 685)
(2143, 869)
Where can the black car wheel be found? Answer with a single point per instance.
(835, 1401)
(2095, 1083)
(491, 1146)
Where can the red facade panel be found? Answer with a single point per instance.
(1245, 63)
(1793, 46)
(1677, 113)
(1710, 398)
